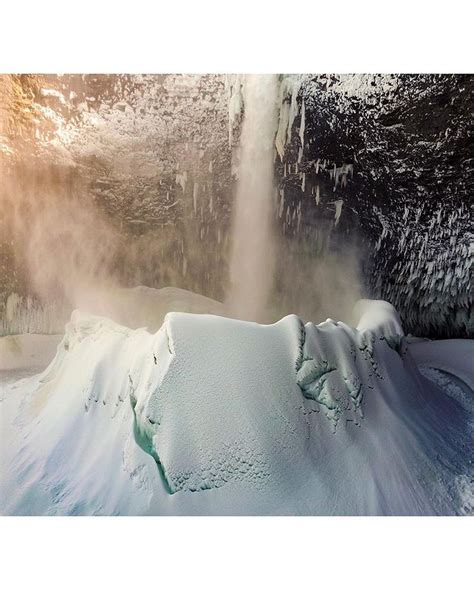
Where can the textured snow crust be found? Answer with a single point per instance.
(211, 415)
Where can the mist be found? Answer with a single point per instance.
(71, 252)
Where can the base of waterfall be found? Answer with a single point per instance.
(211, 415)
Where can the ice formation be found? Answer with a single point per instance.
(289, 88)
(211, 415)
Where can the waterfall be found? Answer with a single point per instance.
(253, 249)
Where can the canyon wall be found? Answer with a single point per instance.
(131, 180)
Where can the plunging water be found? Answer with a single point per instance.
(253, 253)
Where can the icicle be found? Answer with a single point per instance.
(234, 89)
(293, 107)
(282, 202)
(195, 195)
(289, 88)
(302, 124)
(181, 179)
(338, 204)
(280, 139)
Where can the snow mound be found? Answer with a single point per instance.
(380, 318)
(212, 415)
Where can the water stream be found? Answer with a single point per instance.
(253, 250)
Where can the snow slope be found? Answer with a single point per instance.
(211, 415)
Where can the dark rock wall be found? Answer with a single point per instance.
(397, 156)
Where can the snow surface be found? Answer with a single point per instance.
(211, 415)
(27, 351)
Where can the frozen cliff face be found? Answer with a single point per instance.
(388, 157)
(373, 173)
(217, 416)
(133, 170)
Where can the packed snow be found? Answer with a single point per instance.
(211, 415)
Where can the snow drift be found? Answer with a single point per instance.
(211, 415)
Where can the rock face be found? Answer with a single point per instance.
(392, 156)
(131, 178)
(144, 160)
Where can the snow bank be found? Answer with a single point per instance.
(211, 415)
(455, 357)
(27, 351)
(449, 364)
(379, 317)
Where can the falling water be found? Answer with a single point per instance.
(252, 256)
